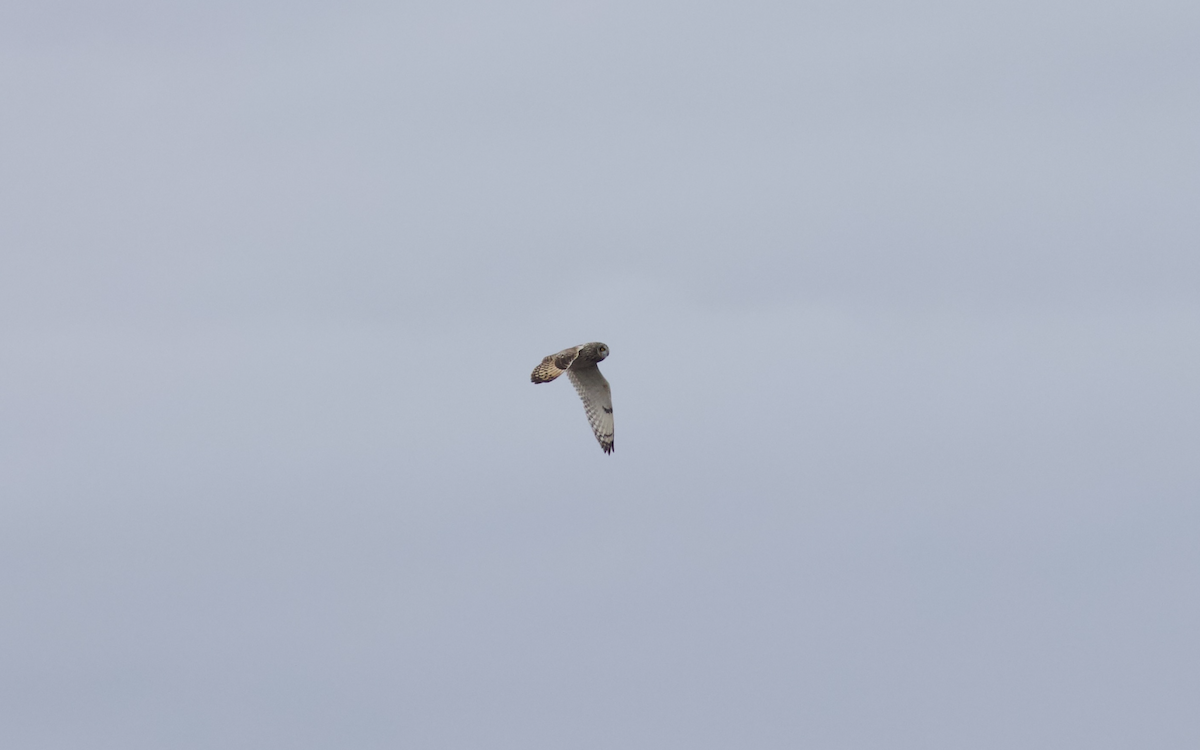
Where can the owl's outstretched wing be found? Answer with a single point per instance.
(554, 365)
(597, 401)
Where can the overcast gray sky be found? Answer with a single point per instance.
(903, 307)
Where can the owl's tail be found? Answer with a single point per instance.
(546, 371)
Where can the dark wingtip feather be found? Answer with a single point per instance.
(545, 372)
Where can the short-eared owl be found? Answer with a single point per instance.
(579, 362)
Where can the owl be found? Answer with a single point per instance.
(579, 362)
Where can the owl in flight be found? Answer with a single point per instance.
(579, 362)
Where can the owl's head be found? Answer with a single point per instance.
(597, 351)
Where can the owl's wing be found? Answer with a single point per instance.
(597, 402)
(554, 365)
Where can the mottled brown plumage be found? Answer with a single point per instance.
(554, 365)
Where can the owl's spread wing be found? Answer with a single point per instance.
(554, 365)
(597, 402)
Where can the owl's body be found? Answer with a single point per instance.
(579, 362)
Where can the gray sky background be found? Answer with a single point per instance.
(904, 315)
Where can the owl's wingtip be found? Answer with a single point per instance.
(545, 372)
